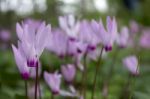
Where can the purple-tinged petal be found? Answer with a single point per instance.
(19, 31)
(122, 38)
(145, 39)
(109, 24)
(63, 22)
(131, 63)
(71, 20)
(95, 26)
(42, 39)
(68, 72)
(5, 35)
(134, 26)
(21, 63)
(53, 81)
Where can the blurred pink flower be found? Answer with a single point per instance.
(21, 63)
(32, 41)
(145, 39)
(57, 42)
(60, 44)
(108, 35)
(123, 37)
(134, 27)
(87, 35)
(5, 35)
(68, 71)
(131, 63)
(33, 23)
(53, 81)
(69, 25)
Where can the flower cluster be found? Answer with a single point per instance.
(31, 43)
(74, 40)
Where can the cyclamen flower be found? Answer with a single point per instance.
(53, 81)
(57, 42)
(131, 63)
(123, 37)
(107, 36)
(77, 47)
(86, 35)
(68, 72)
(33, 23)
(21, 63)
(134, 27)
(5, 35)
(33, 41)
(145, 39)
(60, 44)
(70, 26)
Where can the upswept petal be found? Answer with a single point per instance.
(131, 64)
(63, 22)
(53, 81)
(68, 72)
(109, 24)
(42, 38)
(19, 31)
(71, 20)
(20, 61)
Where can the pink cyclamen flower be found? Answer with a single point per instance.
(134, 27)
(32, 41)
(131, 63)
(68, 72)
(32, 22)
(123, 37)
(70, 26)
(21, 63)
(108, 35)
(87, 35)
(53, 81)
(145, 39)
(76, 47)
(5, 35)
(57, 42)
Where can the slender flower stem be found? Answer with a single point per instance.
(26, 89)
(97, 68)
(110, 73)
(40, 97)
(36, 82)
(132, 83)
(52, 96)
(125, 90)
(131, 86)
(84, 77)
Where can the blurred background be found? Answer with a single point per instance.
(128, 13)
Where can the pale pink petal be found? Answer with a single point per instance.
(131, 64)
(19, 31)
